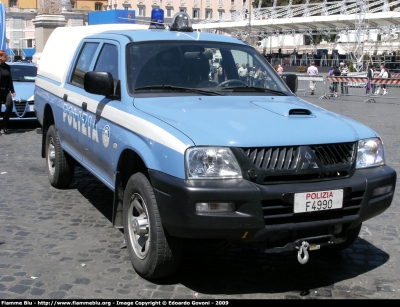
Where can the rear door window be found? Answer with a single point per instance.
(83, 63)
(108, 62)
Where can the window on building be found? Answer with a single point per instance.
(169, 12)
(98, 6)
(196, 13)
(220, 14)
(208, 2)
(232, 2)
(141, 11)
(13, 3)
(182, 9)
(208, 14)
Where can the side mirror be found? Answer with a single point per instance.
(291, 81)
(99, 82)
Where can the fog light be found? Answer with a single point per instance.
(382, 190)
(215, 207)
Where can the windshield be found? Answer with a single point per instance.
(211, 66)
(23, 73)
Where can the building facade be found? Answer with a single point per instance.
(20, 30)
(198, 10)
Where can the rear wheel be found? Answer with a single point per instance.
(60, 165)
(154, 253)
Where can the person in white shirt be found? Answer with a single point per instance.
(312, 71)
(385, 75)
(242, 71)
(383, 86)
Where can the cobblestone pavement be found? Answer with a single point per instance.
(60, 244)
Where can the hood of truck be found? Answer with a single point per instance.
(251, 121)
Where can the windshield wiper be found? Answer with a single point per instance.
(177, 89)
(252, 89)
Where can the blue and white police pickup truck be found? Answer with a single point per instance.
(190, 155)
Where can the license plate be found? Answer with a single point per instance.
(318, 201)
(31, 108)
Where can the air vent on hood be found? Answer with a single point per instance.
(299, 112)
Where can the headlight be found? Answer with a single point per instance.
(370, 153)
(211, 163)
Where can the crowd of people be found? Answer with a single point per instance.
(251, 76)
(343, 70)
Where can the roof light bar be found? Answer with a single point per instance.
(181, 22)
(157, 19)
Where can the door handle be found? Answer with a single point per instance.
(84, 106)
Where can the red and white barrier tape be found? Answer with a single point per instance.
(363, 80)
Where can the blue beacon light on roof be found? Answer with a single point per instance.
(157, 19)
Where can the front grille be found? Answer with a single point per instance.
(334, 154)
(20, 107)
(287, 158)
(279, 158)
(278, 212)
(275, 165)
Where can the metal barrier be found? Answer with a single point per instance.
(347, 86)
(380, 88)
(312, 85)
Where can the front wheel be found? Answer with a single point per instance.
(154, 254)
(60, 165)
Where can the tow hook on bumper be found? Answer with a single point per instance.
(303, 244)
(303, 250)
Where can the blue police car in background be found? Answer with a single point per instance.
(24, 75)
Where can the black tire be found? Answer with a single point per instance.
(154, 253)
(352, 235)
(60, 165)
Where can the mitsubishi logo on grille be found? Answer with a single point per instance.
(309, 162)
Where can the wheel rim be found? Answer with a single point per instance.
(138, 226)
(51, 156)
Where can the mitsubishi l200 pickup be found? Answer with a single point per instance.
(194, 155)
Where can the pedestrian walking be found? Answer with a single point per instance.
(370, 75)
(212, 71)
(220, 73)
(312, 71)
(344, 71)
(280, 70)
(252, 72)
(6, 90)
(242, 71)
(385, 75)
(383, 86)
(336, 73)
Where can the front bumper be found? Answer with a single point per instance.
(264, 212)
